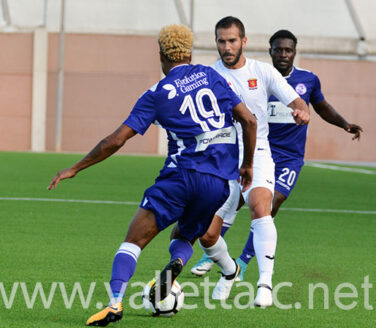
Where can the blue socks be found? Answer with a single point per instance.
(249, 250)
(182, 249)
(125, 262)
(123, 269)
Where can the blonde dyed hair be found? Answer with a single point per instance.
(175, 42)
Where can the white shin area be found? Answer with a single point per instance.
(218, 254)
(264, 242)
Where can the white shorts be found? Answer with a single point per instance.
(263, 171)
(263, 176)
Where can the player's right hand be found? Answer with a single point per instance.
(64, 174)
(246, 175)
(301, 117)
(354, 129)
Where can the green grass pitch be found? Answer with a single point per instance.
(62, 243)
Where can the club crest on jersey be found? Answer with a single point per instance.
(252, 84)
(301, 89)
(171, 89)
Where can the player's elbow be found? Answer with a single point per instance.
(118, 138)
(118, 142)
(112, 143)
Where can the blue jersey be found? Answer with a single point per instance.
(194, 104)
(285, 137)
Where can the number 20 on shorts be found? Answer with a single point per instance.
(287, 176)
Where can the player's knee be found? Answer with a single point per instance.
(140, 242)
(259, 210)
(209, 239)
(260, 202)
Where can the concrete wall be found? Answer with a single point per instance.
(105, 75)
(348, 86)
(15, 91)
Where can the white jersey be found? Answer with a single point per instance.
(254, 83)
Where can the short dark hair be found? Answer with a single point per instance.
(283, 34)
(227, 22)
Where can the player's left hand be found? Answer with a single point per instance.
(355, 130)
(246, 175)
(301, 117)
(64, 174)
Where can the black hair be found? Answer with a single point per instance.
(283, 34)
(227, 22)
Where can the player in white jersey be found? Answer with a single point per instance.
(253, 82)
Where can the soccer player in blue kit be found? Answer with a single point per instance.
(287, 140)
(196, 106)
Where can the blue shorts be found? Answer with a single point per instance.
(191, 198)
(286, 173)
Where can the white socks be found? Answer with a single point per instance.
(264, 242)
(219, 254)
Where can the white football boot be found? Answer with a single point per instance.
(223, 287)
(264, 296)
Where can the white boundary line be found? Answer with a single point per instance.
(349, 163)
(112, 202)
(340, 168)
(70, 200)
(325, 210)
